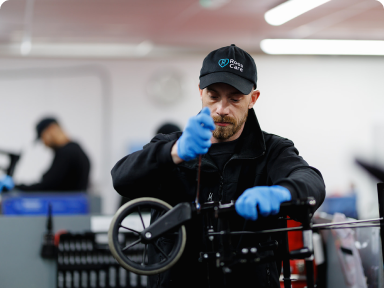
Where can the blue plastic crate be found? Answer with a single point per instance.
(37, 203)
(345, 205)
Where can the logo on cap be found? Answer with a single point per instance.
(223, 62)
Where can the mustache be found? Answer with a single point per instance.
(225, 119)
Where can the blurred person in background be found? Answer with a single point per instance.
(70, 168)
(166, 128)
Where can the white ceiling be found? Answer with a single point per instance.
(183, 25)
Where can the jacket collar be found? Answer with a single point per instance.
(251, 141)
(251, 145)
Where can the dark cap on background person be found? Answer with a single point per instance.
(230, 65)
(43, 124)
(168, 128)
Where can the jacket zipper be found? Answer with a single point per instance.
(221, 185)
(268, 277)
(225, 165)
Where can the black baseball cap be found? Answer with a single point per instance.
(43, 124)
(230, 65)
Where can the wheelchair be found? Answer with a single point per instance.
(171, 224)
(171, 220)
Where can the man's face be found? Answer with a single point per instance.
(47, 137)
(229, 109)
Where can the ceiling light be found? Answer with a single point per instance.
(26, 44)
(79, 50)
(290, 10)
(144, 48)
(25, 47)
(322, 47)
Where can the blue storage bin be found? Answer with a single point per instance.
(37, 203)
(345, 205)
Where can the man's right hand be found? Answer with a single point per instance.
(196, 138)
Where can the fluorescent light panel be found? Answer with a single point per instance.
(290, 10)
(83, 50)
(322, 47)
(25, 47)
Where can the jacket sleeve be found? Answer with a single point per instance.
(286, 168)
(140, 173)
(52, 179)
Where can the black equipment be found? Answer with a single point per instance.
(13, 159)
(48, 249)
(170, 224)
(84, 260)
(373, 169)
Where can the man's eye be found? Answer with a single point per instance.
(235, 100)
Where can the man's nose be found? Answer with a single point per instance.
(222, 108)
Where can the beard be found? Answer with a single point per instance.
(226, 132)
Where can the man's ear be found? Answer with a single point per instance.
(254, 96)
(201, 92)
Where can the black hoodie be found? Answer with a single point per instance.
(259, 159)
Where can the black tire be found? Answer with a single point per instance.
(117, 250)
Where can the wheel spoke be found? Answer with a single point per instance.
(141, 217)
(134, 231)
(131, 245)
(161, 250)
(144, 255)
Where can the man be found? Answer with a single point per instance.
(240, 162)
(70, 167)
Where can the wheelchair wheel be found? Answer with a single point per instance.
(125, 241)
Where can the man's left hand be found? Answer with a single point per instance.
(266, 198)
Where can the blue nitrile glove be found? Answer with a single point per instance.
(6, 183)
(266, 198)
(196, 138)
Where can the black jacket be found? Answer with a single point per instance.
(260, 159)
(69, 171)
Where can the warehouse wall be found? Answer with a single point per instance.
(329, 106)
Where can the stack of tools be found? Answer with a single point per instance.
(84, 261)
